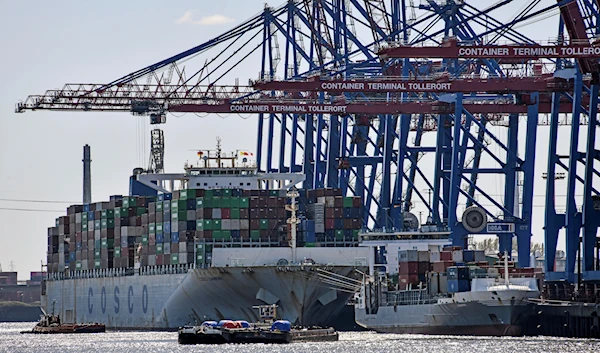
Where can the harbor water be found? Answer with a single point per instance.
(350, 342)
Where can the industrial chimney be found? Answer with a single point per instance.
(87, 175)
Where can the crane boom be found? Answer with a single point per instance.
(451, 49)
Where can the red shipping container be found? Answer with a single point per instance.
(225, 213)
(159, 259)
(424, 267)
(446, 255)
(329, 213)
(405, 280)
(408, 268)
(329, 223)
(442, 266)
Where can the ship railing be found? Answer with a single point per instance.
(409, 297)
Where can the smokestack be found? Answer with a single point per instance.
(87, 175)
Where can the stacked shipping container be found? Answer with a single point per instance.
(165, 230)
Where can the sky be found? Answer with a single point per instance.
(47, 44)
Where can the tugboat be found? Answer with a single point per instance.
(269, 330)
(52, 324)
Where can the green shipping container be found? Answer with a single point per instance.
(208, 224)
(110, 223)
(355, 233)
(110, 243)
(226, 202)
(174, 259)
(217, 202)
(97, 244)
(78, 265)
(199, 258)
(144, 239)
(141, 210)
(216, 224)
(159, 248)
(200, 203)
(255, 234)
(339, 234)
(209, 193)
(235, 213)
(180, 215)
(124, 211)
(309, 245)
(264, 224)
(226, 234)
(84, 226)
(226, 192)
(274, 193)
(178, 205)
(117, 252)
(244, 202)
(103, 214)
(200, 224)
(97, 263)
(348, 202)
(97, 224)
(129, 202)
(152, 228)
(103, 224)
(84, 217)
(159, 227)
(159, 206)
(187, 194)
(199, 247)
(117, 212)
(97, 254)
(104, 243)
(217, 234)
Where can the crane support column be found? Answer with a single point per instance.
(573, 215)
(523, 229)
(591, 204)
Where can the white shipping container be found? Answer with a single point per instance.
(174, 227)
(408, 256)
(84, 265)
(423, 256)
(183, 258)
(191, 215)
(216, 213)
(434, 256)
(151, 260)
(457, 256)
(235, 224)
(77, 217)
(226, 224)
(321, 199)
(244, 224)
(139, 231)
(183, 247)
(167, 248)
(330, 201)
(319, 228)
(97, 234)
(90, 225)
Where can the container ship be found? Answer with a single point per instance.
(448, 292)
(210, 248)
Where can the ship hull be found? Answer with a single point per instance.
(476, 316)
(169, 301)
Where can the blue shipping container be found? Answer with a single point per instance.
(167, 227)
(459, 285)
(160, 238)
(468, 255)
(311, 237)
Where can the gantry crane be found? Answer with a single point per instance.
(348, 105)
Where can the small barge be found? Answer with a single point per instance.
(52, 324)
(268, 330)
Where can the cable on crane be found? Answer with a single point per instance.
(38, 201)
(28, 210)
